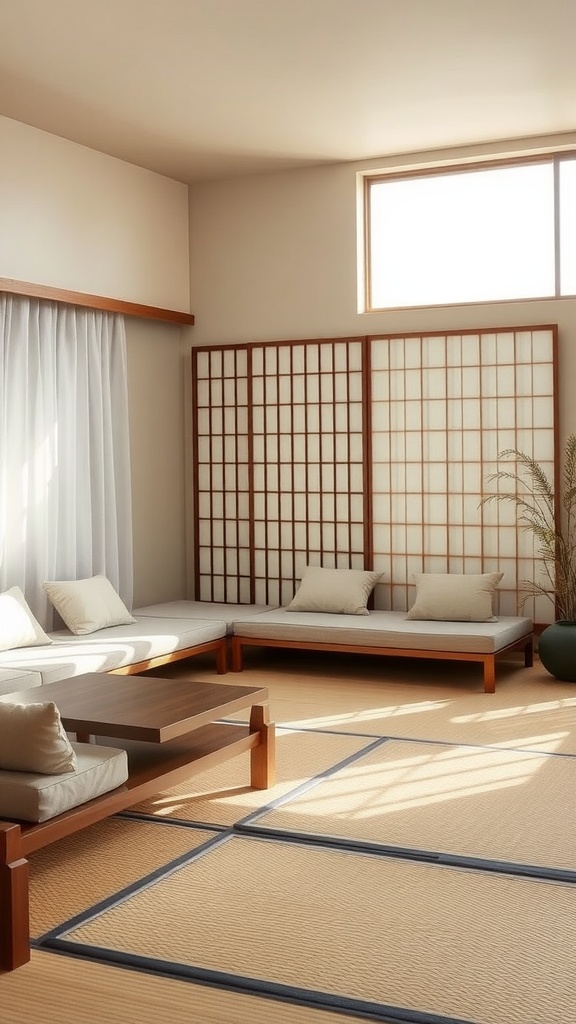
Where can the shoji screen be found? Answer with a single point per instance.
(280, 465)
(443, 408)
(366, 453)
(223, 524)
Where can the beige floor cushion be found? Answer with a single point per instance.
(26, 796)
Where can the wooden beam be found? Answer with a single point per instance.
(42, 291)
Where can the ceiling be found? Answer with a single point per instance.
(208, 89)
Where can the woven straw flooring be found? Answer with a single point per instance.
(223, 795)
(383, 876)
(57, 990)
(373, 929)
(74, 874)
(463, 800)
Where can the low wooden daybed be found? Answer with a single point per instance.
(388, 633)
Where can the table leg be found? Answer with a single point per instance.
(262, 757)
(85, 737)
(14, 905)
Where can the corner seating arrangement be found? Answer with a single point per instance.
(176, 630)
(168, 632)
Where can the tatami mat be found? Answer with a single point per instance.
(415, 699)
(75, 873)
(52, 989)
(222, 795)
(363, 929)
(470, 801)
(251, 923)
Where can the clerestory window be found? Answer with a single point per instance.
(479, 233)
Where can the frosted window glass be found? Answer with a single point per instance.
(326, 362)
(271, 390)
(231, 476)
(284, 355)
(230, 449)
(285, 420)
(300, 508)
(326, 388)
(356, 447)
(312, 388)
(311, 477)
(284, 389)
(380, 385)
(286, 452)
(568, 227)
(313, 419)
(341, 388)
(204, 450)
(298, 358)
(300, 535)
(470, 236)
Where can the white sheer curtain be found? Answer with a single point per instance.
(65, 497)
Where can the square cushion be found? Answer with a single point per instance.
(343, 591)
(18, 627)
(88, 605)
(33, 739)
(26, 796)
(455, 597)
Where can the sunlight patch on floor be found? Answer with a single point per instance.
(405, 783)
(547, 743)
(368, 715)
(516, 712)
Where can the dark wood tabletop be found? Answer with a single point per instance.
(146, 708)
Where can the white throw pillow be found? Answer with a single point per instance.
(454, 597)
(88, 605)
(18, 627)
(343, 591)
(33, 739)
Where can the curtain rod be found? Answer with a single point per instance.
(41, 291)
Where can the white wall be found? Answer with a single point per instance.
(76, 219)
(156, 391)
(274, 257)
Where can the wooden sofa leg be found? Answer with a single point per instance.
(14, 905)
(490, 675)
(222, 658)
(529, 654)
(236, 654)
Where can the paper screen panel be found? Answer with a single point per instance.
(308, 451)
(366, 453)
(443, 408)
(223, 515)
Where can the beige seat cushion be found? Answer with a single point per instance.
(12, 679)
(386, 630)
(26, 796)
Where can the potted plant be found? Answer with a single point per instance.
(551, 518)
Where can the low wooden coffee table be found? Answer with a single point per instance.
(171, 729)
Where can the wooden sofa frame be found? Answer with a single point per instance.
(220, 647)
(488, 661)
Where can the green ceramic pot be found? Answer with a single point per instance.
(557, 650)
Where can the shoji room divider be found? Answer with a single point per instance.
(366, 452)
